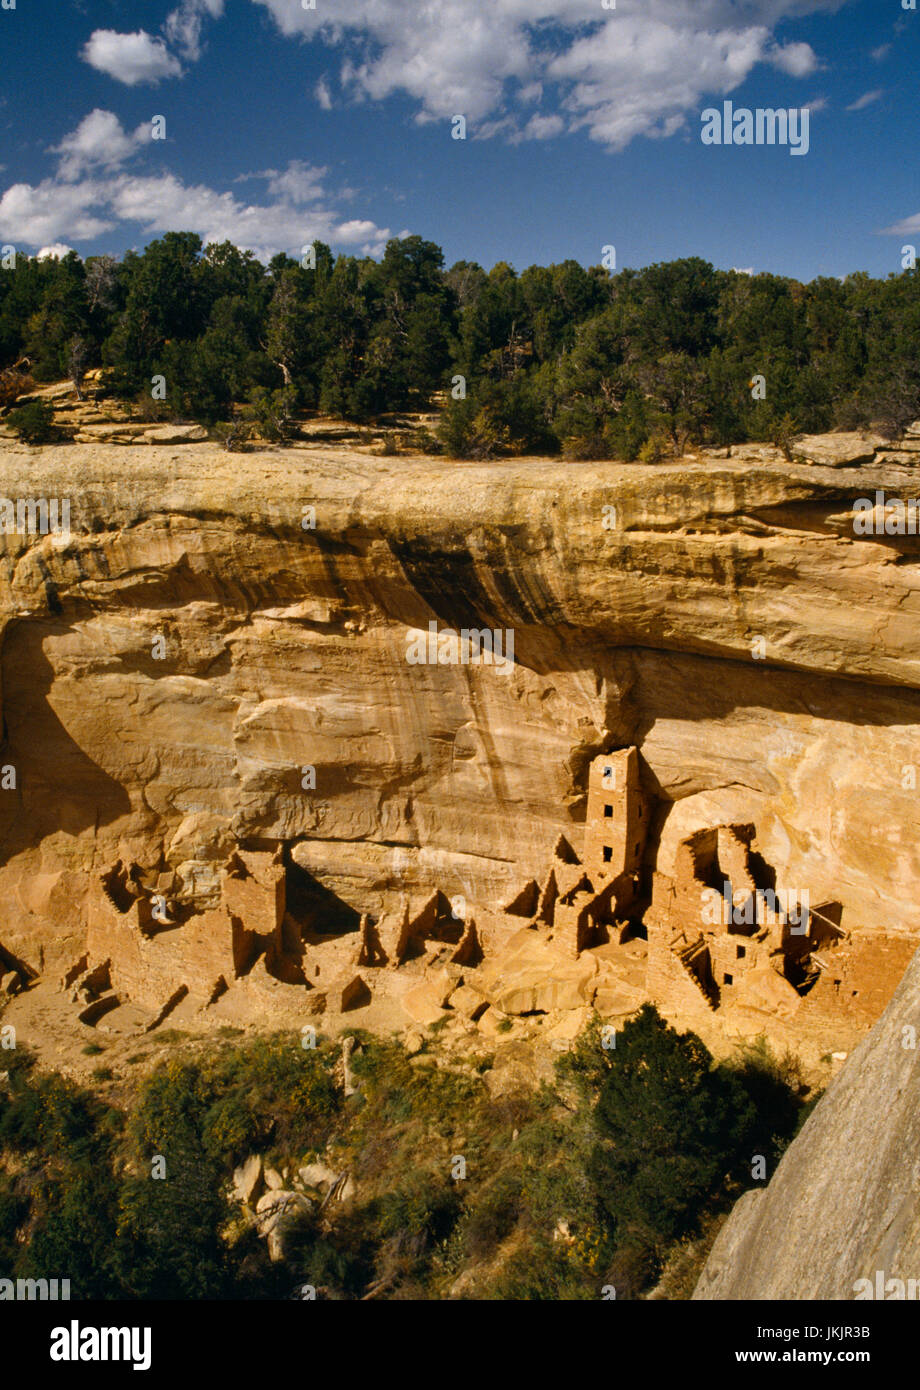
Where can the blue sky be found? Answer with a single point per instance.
(285, 123)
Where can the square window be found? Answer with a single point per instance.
(742, 952)
(608, 811)
(729, 980)
(608, 854)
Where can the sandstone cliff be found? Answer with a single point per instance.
(844, 1203)
(170, 670)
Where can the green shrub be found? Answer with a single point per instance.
(467, 431)
(270, 414)
(230, 1130)
(34, 422)
(654, 449)
(540, 1271)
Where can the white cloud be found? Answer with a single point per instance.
(867, 99)
(40, 214)
(881, 53)
(295, 211)
(130, 58)
(637, 71)
(909, 227)
(796, 59)
(57, 252)
(543, 127)
(639, 77)
(299, 183)
(183, 25)
(99, 140)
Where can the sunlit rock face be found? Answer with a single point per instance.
(199, 665)
(841, 1217)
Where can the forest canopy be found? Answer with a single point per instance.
(556, 358)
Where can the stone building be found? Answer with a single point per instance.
(721, 935)
(150, 956)
(616, 823)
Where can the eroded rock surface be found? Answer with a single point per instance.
(844, 1204)
(218, 627)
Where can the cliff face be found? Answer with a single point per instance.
(170, 670)
(844, 1204)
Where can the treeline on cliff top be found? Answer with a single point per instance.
(555, 359)
(605, 1179)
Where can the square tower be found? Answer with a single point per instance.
(617, 817)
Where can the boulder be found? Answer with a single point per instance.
(275, 1211)
(246, 1178)
(537, 978)
(423, 1003)
(273, 1180)
(114, 432)
(766, 989)
(317, 1174)
(175, 434)
(468, 1002)
(838, 450)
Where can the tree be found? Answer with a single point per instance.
(78, 355)
(670, 1126)
(285, 342)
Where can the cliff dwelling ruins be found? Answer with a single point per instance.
(713, 941)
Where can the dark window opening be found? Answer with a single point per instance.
(608, 854)
(742, 952)
(608, 811)
(729, 980)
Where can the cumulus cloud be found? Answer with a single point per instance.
(130, 58)
(796, 59)
(98, 141)
(57, 252)
(867, 99)
(163, 202)
(93, 193)
(38, 214)
(638, 70)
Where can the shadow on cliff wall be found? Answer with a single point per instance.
(58, 787)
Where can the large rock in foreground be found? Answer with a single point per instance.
(845, 1200)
